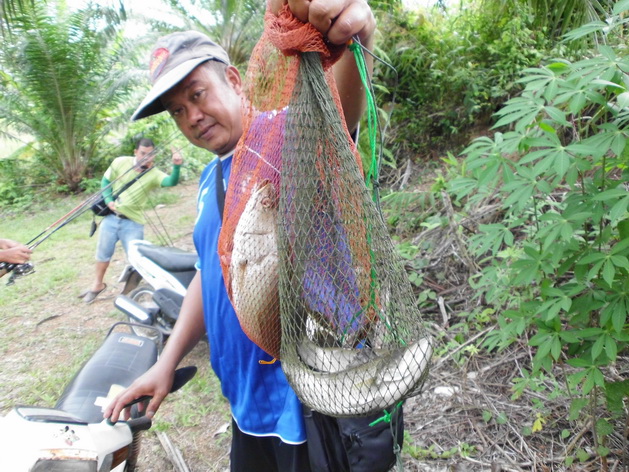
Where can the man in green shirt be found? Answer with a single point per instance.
(126, 223)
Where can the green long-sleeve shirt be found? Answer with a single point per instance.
(134, 200)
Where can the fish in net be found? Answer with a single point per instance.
(325, 290)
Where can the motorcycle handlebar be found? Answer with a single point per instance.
(182, 376)
(143, 423)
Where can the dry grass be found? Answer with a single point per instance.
(46, 333)
(470, 417)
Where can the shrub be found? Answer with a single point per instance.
(556, 266)
(452, 71)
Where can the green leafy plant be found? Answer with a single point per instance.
(452, 71)
(235, 24)
(557, 264)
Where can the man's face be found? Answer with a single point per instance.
(145, 156)
(206, 108)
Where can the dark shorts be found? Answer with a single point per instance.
(266, 454)
(359, 444)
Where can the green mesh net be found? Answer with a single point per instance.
(351, 340)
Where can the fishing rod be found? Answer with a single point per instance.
(79, 209)
(95, 197)
(28, 268)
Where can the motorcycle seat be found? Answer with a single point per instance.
(121, 359)
(169, 258)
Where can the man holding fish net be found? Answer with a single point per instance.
(194, 81)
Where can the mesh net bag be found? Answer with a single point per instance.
(307, 258)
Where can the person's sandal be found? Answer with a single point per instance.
(90, 295)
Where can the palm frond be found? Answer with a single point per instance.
(65, 71)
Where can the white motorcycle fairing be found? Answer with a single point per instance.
(45, 439)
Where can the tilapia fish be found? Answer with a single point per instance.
(357, 381)
(253, 269)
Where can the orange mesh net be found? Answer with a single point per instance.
(269, 85)
(307, 260)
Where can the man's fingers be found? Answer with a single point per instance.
(276, 5)
(355, 20)
(176, 155)
(112, 412)
(153, 406)
(300, 9)
(119, 407)
(117, 413)
(322, 14)
(16, 255)
(337, 20)
(26, 255)
(116, 406)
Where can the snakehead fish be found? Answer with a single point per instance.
(355, 382)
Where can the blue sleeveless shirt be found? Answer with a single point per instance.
(262, 402)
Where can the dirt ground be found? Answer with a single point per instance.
(191, 427)
(465, 420)
(41, 340)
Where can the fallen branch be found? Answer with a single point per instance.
(50, 318)
(466, 343)
(173, 453)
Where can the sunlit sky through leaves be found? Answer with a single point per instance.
(136, 11)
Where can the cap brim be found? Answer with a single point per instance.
(152, 104)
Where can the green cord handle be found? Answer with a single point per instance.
(372, 113)
(387, 416)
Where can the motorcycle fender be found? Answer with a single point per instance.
(126, 273)
(111, 439)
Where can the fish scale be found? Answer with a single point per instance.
(254, 270)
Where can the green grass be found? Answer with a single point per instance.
(163, 196)
(58, 260)
(188, 411)
(46, 333)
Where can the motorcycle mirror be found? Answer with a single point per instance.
(182, 376)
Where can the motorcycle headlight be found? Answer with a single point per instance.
(71, 460)
(72, 465)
